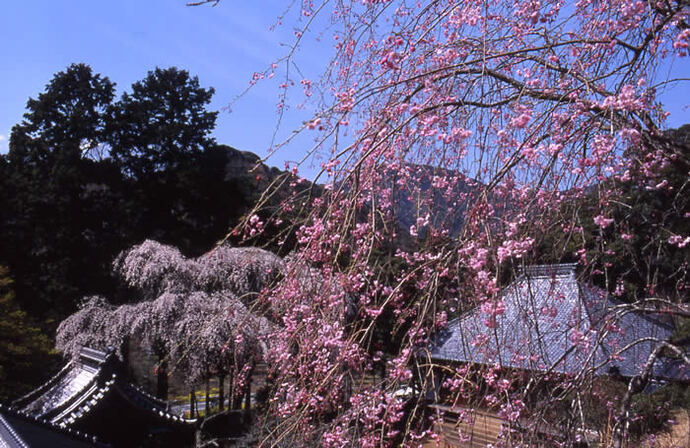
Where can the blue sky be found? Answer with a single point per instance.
(222, 45)
(123, 39)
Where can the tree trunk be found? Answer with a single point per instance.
(207, 407)
(192, 403)
(232, 403)
(247, 402)
(162, 379)
(248, 395)
(221, 393)
(124, 349)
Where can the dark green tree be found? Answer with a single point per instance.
(65, 121)
(50, 181)
(24, 350)
(86, 178)
(162, 124)
(642, 253)
(159, 137)
(637, 255)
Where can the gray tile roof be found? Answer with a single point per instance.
(20, 430)
(84, 385)
(553, 322)
(9, 438)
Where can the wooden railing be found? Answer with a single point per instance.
(466, 428)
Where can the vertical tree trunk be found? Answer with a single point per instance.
(124, 349)
(207, 406)
(248, 395)
(197, 438)
(232, 405)
(192, 403)
(221, 392)
(162, 379)
(247, 400)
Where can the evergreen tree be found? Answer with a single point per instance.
(49, 184)
(159, 136)
(65, 121)
(24, 350)
(162, 124)
(648, 251)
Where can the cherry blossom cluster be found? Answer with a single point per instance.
(455, 137)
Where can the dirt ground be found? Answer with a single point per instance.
(678, 436)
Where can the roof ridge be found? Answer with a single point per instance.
(87, 398)
(50, 382)
(77, 434)
(547, 270)
(13, 433)
(133, 393)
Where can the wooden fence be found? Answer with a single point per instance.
(466, 428)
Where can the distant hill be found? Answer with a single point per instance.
(412, 203)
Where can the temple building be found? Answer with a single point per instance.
(19, 430)
(550, 323)
(92, 395)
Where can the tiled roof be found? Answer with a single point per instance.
(85, 384)
(20, 430)
(9, 438)
(553, 322)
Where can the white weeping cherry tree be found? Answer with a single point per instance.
(196, 314)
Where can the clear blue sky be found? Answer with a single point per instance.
(223, 46)
(123, 39)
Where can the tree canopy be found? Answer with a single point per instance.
(65, 122)
(197, 314)
(162, 124)
(54, 189)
